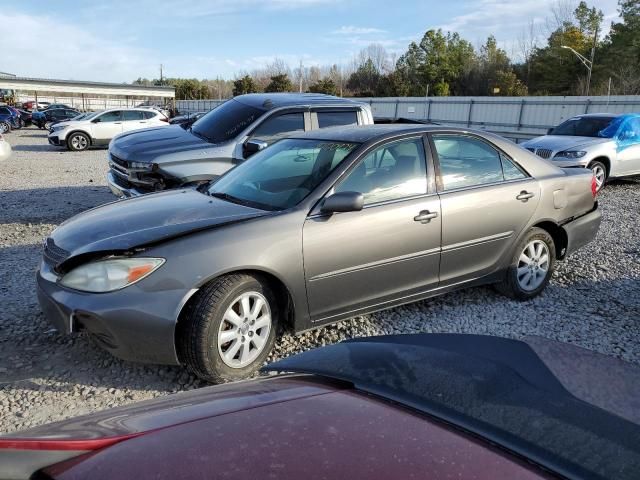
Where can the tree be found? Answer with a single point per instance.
(508, 84)
(325, 85)
(279, 83)
(244, 85)
(364, 81)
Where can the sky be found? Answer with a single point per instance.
(121, 40)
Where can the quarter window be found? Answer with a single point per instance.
(148, 115)
(274, 128)
(333, 119)
(394, 171)
(469, 162)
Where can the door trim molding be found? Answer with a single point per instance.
(401, 258)
(477, 241)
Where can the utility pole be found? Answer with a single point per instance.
(300, 75)
(593, 54)
(161, 82)
(585, 61)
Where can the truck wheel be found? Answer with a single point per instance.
(599, 172)
(531, 266)
(228, 329)
(77, 142)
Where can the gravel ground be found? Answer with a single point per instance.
(593, 299)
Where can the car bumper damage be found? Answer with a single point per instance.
(136, 325)
(582, 230)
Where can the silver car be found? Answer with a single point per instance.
(608, 144)
(316, 228)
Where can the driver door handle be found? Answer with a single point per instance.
(524, 196)
(425, 216)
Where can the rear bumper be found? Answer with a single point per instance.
(582, 230)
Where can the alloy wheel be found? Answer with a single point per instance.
(78, 142)
(533, 265)
(600, 175)
(244, 330)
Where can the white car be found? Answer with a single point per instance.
(5, 149)
(608, 144)
(98, 128)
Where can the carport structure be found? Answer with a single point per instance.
(86, 95)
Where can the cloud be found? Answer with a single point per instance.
(351, 30)
(73, 53)
(507, 19)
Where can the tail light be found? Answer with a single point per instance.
(594, 186)
(164, 119)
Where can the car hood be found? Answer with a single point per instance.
(126, 224)
(145, 145)
(559, 143)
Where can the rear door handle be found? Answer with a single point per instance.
(425, 216)
(525, 196)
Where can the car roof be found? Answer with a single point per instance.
(600, 115)
(268, 101)
(365, 133)
(532, 398)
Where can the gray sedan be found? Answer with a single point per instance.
(316, 228)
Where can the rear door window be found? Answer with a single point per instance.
(334, 119)
(279, 126)
(469, 162)
(115, 116)
(130, 115)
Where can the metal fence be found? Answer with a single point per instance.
(87, 103)
(518, 118)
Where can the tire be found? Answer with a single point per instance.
(599, 170)
(4, 127)
(200, 346)
(78, 141)
(524, 281)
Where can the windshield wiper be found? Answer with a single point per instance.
(240, 201)
(200, 135)
(228, 198)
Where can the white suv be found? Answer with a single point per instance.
(99, 128)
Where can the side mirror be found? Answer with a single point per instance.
(343, 202)
(253, 146)
(96, 120)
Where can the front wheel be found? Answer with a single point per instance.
(78, 142)
(531, 266)
(599, 170)
(4, 127)
(228, 329)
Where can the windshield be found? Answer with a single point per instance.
(225, 121)
(584, 127)
(282, 175)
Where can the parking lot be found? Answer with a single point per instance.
(593, 299)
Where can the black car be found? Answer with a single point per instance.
(43, 119)
(26, 117)
(186, 120)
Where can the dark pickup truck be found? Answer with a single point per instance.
(157, 159)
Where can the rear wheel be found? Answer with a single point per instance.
(531, 266)
(599, 170)
(78, 141)
(228, 330)
(5, 127)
